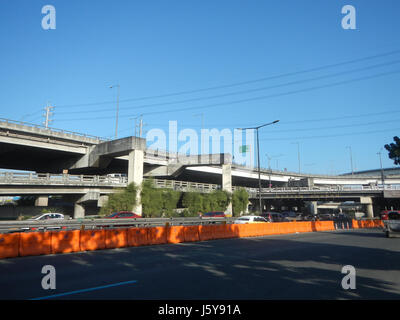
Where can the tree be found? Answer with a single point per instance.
(151, 200)
(240, 200)
(193, 201)
(170, 199)
(123, 200)
(394, 150)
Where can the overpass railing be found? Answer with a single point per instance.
(59, 179)
(38, 126)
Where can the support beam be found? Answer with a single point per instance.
(135, 175)
(227, 184)
(42, 201)
(367, 201)
(79, 211)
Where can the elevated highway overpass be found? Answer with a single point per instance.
(38, 149)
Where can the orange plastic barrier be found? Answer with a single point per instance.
(65, 241)
(35, 243)
(175, 234)
(206, 233)
(157, 235)
(231, 231)
(138, 237)
(9, 244)
(191, 233)
(116, 238)
(92, 240)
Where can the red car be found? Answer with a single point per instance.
(384, 214)
(123, 214)
(214, 214)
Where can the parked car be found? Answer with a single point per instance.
(213, 214)
(384, 214)
(123, 214)
(292, 216)
(309, 217)
(274, 217)
(326, 217)
(392, 224)
(250, 219)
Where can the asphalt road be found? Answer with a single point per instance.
(298, 266)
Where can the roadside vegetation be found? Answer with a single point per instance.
(159, 202)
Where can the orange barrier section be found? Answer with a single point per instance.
(175, 234)
(116, 238)
(9, 244)
(157, 235)
(206, 233)
(231, 231)
(34, 243)
(191, 233)
(92, 240)
(65, 241)
(138, 237)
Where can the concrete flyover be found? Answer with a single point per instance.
(38, 149)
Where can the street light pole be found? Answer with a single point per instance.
(258, 157)
(116, 118)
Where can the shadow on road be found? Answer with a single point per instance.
(303, 266)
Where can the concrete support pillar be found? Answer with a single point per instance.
(79, 211)
(42, 201)
(135, 175)
(367, 201)
(227, 184)
(313, 206)
(102, 201)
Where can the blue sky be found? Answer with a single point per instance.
(158, 48)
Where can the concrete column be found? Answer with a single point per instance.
(313, 206)
(227, 184)
(79, 210)
(135, 175)
(102, 201)
(367, 201)
(42, 201)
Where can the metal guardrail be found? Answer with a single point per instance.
(20, 226)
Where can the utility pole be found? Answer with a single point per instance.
(202, 128)
(48, 115)
(351, 161)
(116, 117)
(298, 153)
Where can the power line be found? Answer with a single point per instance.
(243, 91)
(250, 99)
(331, 136)
(237, 83)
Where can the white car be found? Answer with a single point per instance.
(250, 219)
(45, 217)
